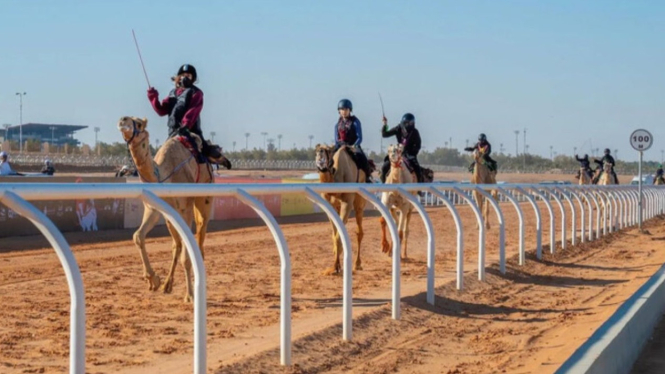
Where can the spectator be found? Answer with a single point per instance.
(5, 168)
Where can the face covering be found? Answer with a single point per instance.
(186, 82)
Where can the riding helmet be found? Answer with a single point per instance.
(345, 104)
(186, 68)
(607, 151)
(408, 119)
(482, 137)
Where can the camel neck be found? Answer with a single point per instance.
(143, 160)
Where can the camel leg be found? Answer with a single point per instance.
(202, 212)
(359, 209)
(404, 231)
(344, 212)
(486, 213)
(336, 241)
(479, 203)
(167, 287)
(185, 260)
(150, 219)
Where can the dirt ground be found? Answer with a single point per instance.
(527, 321)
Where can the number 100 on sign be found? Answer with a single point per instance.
(641, 140)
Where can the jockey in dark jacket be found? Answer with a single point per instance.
(407, 135)
(183, 106)
(659, 173)
(483, 145)
(348, 131)
(607, 159)
(584, 162)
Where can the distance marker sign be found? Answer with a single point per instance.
(641, 140)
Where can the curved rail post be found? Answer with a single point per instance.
(573, 236)
(614, 215)
(539, 224)
(583, 192)
(397, 255)
(536, 191)
(589, 197)
(628, 209)
(595, 201)
(347, 281)
(460, 235)
(520, 217)
(635, 207)
(582, 213)
(285, 271)
(628, 212)
(502, 230)
(563, 219)
(602, 196)
(72, 273)
(481, 228)
(194, 252)
(622, 208)
(430, 241)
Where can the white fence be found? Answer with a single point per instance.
(619, 206)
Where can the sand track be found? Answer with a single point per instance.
(527, 321)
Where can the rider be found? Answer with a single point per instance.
(486, 147)
(348, 131)
(407, 135)
(584, 163)
(5, 168)
(607, 159)
(48, 168)
(183, 106)
(659, 173)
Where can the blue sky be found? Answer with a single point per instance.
(574, 73)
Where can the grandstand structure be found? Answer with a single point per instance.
(54, 134)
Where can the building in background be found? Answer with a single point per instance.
(54, 134)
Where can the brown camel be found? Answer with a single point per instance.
(659, 181)
(340, 168)
(607, 178)
(482, 175)
(173, 163)
(584, 177)
(395, 201)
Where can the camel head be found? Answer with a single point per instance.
(607, 167)
(324, 158)
(395, 152)
(133, 129)
(478, 154)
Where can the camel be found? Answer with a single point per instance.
(482, 175)
(659, 181)
(584, 177)
(173, 163)
(340, 168)
(607, 178)
(395, 201)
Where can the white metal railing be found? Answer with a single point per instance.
(618, 203)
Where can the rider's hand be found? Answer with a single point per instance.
(152, 93)
(385, 121)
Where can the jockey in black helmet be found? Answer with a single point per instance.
(584, 163)
(183, 106)
(407, 135)
(348, 131)
(607, 159)
(486, 147)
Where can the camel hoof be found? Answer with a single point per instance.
(189, 299)
(153, 282)
(168, 286)
(357, 267)
(330, 271)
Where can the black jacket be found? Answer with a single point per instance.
(606, 159)
(410, 139)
